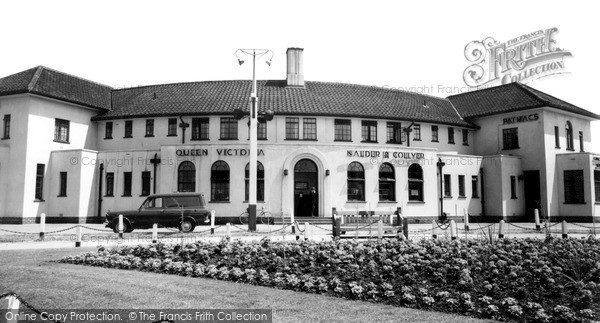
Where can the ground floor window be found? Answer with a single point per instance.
(415, 183)
(110, 182)
(597, 185)
(127, 184)
(260, 181)
(475, 186)
(186, 177)
(219, 182)
(461, 185)
(387, 183)
(39, 182)
(573, 182)
(145, 183)
(513, 187)
(62, 189)
(356, 182)
(447, 185)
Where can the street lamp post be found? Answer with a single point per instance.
(255, 53)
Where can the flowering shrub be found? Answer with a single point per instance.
(554, 280)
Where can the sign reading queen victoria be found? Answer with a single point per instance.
(522, 59)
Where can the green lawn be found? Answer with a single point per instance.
(46, 284)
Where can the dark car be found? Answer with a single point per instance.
(177, 210)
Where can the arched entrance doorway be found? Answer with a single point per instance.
(306, 189)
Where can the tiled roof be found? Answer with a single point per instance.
(316, 98)
(57, 85)
(508, 98)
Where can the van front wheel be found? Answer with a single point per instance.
(186, 225)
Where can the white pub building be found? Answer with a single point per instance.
(73, 149)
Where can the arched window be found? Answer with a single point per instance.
(219, 181)
(356, 182)
(260, 181)
(415, 183)
(186, 177)
(387, 183)
(569, 129)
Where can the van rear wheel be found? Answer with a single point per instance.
(186, 226)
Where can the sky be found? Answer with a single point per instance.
(416, 45)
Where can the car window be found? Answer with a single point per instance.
(153, 203)
(171, 202)
(187, 201)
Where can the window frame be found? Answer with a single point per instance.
(200, 128)
(435, 134)
(416, 132)
(6, 129)
(228, 129)
(415, 183)
(475, 186)
(451, 135)
(556, 137)
(387, 182)
(146, 183)
(462, 192)
(513, 187)
(108, 130)
(149, 128)
(216, 181)
(127, 183)
(447, 185)
(569, 135)
(62, 186)
(368, 128)
(510, 138)
(110, 184)
(397, 135)
(342, 128)
(465, 137)
(574, 187)
(355, 179)
(59, 126)
(292, 128)
(39, 182)
(128, 129)
(172, 127)
(186, 178)
(309, 129)
(597, 185)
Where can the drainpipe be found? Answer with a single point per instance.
(482, 194)
(440, 166)
(100, 193)
(183, 125)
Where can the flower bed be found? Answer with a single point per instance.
(511, 280)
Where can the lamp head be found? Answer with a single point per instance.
(240, 61)
(269, 62)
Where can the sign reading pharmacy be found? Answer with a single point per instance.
(523, 118)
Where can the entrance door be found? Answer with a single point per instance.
(532, 192)
(306, 190)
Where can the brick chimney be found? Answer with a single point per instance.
(295, 76)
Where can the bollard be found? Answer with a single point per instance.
(434, 229)
(466, 220)
(565, 234)
(42, 225)
(120, 226)
(212, 222)
(78, 237)
(154, 233)
(452, 230)
(336, 226)
(536, 214)
(297, 230)
(306, 230)
(380, 229)
(405, 227)
(228, 231)
(501, 229)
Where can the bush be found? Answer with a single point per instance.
(512, 280)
